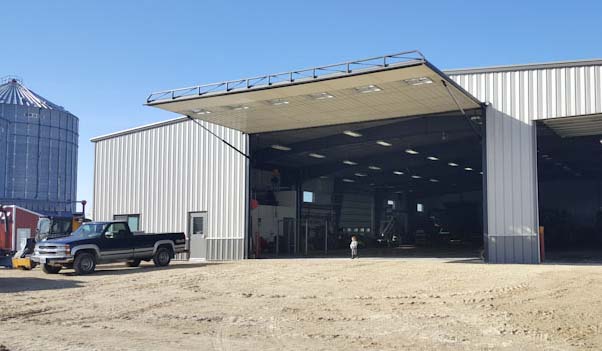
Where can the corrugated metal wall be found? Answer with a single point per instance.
(518, 97)
(165, 172)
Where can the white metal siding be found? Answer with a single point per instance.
(163, 173)
(517, 99)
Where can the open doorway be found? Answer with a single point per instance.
(405, 187)
(570, 187)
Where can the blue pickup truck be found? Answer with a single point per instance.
(106, 242)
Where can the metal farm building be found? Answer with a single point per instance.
(38, 151)
(411, 159)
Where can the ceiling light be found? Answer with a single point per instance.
(374, 168)
(481, 173)
(323, 177)
(432, 180)
(316, 155)
(351, 163)
(418, 81)
(278, 102)
(346, 180)
(383, 143)
(468, 168)
(352, 133)
(432, 158)
(321, 96)
(453, 164)
(360, 174)
(412, 152)
(201, 111)
(600, 141)
(281, 147)
(416, 177)
(238, 107)
(398, 172)
(368, 89)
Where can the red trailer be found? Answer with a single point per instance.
(22, 224)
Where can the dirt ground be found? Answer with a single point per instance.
(318, 304)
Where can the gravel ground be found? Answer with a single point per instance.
(318, 304)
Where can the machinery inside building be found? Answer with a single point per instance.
(570, 186)
(407, 186)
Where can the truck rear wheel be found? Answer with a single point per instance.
(84, 263)
(162, 257)
(133, 263)
(48, 269)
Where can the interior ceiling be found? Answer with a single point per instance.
(569, 155)
(575, 126)
(449, 137)
(296, 106)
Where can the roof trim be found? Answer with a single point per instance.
(528, 66)
(140, 129)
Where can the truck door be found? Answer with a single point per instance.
(117, 243)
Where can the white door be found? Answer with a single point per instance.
(197, 232)
(22, 235)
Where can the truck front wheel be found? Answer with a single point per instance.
(162, 257)
(84, 263)
(48, 269)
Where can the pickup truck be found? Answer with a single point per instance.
(106, 242)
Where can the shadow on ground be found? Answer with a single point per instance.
(19, 284)
(120, 269)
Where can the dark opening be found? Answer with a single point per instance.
(570, 192)
(404, 187)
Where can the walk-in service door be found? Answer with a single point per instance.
(197, 234)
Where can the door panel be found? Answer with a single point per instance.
(116, 243)
(197, 234)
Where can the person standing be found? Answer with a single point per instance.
(353, 247)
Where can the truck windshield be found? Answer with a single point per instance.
(89, 230)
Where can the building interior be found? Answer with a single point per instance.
(570, 187)
(408, 186)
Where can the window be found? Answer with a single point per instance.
(308, 196)
(197, 225)
(419, 208)
(133, 221)
(116, 231)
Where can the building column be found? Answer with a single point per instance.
(511, 206)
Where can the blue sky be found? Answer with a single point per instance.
(100, 59)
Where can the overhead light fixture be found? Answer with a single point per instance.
(323, 177)
(383, 143)
(351, 163)
(398, 172)
(418, 81)
(468, 168)
(314, 155)
(453, 164)
(278, 102)
(481, 173)
(368, 89)
(412, 152)
(346, 180)
(352, 133)
(238, 107)
(374, 168)
(600, 141)
(321, 96)
(360, 174)
(281, 147)
(201, 111)
(416, 176)
(432, 158)
(433, 180)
